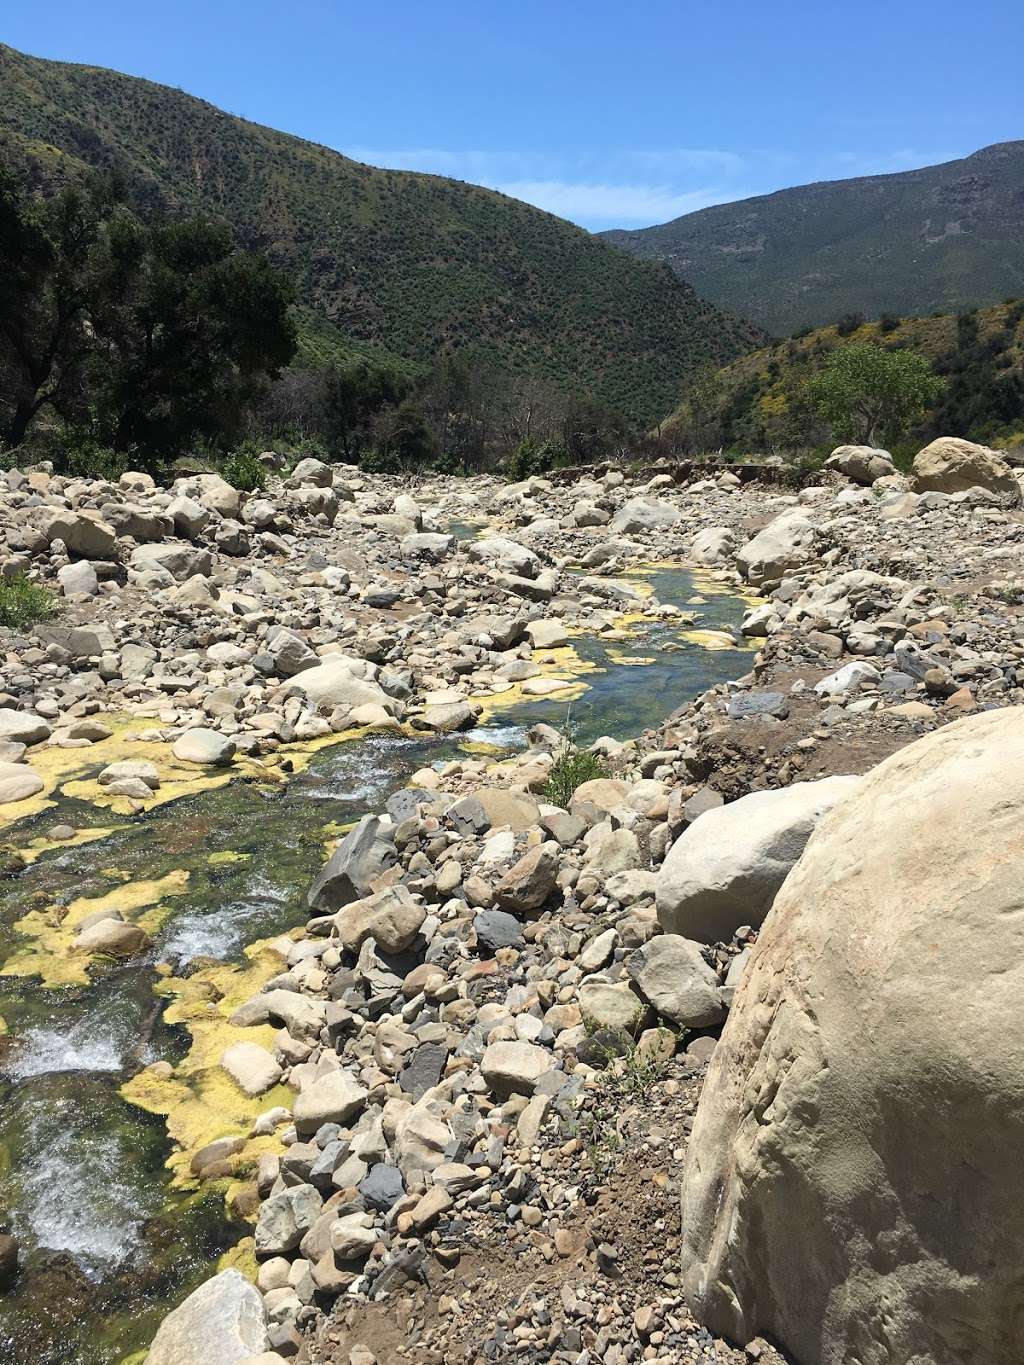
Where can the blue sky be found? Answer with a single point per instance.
(611, 114)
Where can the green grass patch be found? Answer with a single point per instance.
(23, 603)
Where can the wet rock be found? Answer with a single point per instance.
(113, 937)
(8, 1259)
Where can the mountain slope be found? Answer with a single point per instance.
(760, 401)
(942, 239)
(399, 261)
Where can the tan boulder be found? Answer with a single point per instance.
(112, 936)
(951, 465)
(854, 1182)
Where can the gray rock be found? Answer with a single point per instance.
(205, 747)
(423, 1070)
(364, 853)
(22, 727)
(382, 1186)
(744, 705)
(284, 1218)
(726, 868)
(495, 929)
(221, 1323)
(334, 1098)
(671, 975)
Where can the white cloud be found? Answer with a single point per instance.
(606, 189)
(631, 187)
(593, 202)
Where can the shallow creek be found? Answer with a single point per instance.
(111, 1237)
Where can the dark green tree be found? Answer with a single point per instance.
(143, 336)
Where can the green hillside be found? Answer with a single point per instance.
(759, 401)
(944, 238)
(399, 262)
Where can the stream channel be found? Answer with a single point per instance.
(108, 1243)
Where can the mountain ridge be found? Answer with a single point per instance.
(937, 238)
(407, 263)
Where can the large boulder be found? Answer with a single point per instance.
(176, 558)
(343, 681)
(18, 782)
(84, 533)
(862, 464)
(950, 465)
(854, 1182)
(644, 514)
(726, 868)
(783, 544)
(508, 555)
(220, 1323)
(713, 545)
(671, 975)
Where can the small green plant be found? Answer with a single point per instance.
(244, 471)
(570, 770)
(532, 458)
(23, 603)
(627, 1078)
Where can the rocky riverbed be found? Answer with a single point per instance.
(454, 1098)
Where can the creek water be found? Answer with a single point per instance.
(108, 1245)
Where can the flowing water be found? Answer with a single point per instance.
(107, 1244)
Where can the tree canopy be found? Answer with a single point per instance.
(141, 336)
(870, 394)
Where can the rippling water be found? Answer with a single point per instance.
(81, 1172)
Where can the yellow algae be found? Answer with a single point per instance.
(554, 663)
(480, 748)
(227, 855)
(4, 1028)
(241, 1257)
(48, 952)
(630, 660)
(197, 1098)
(35, 848)
(711, 639)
